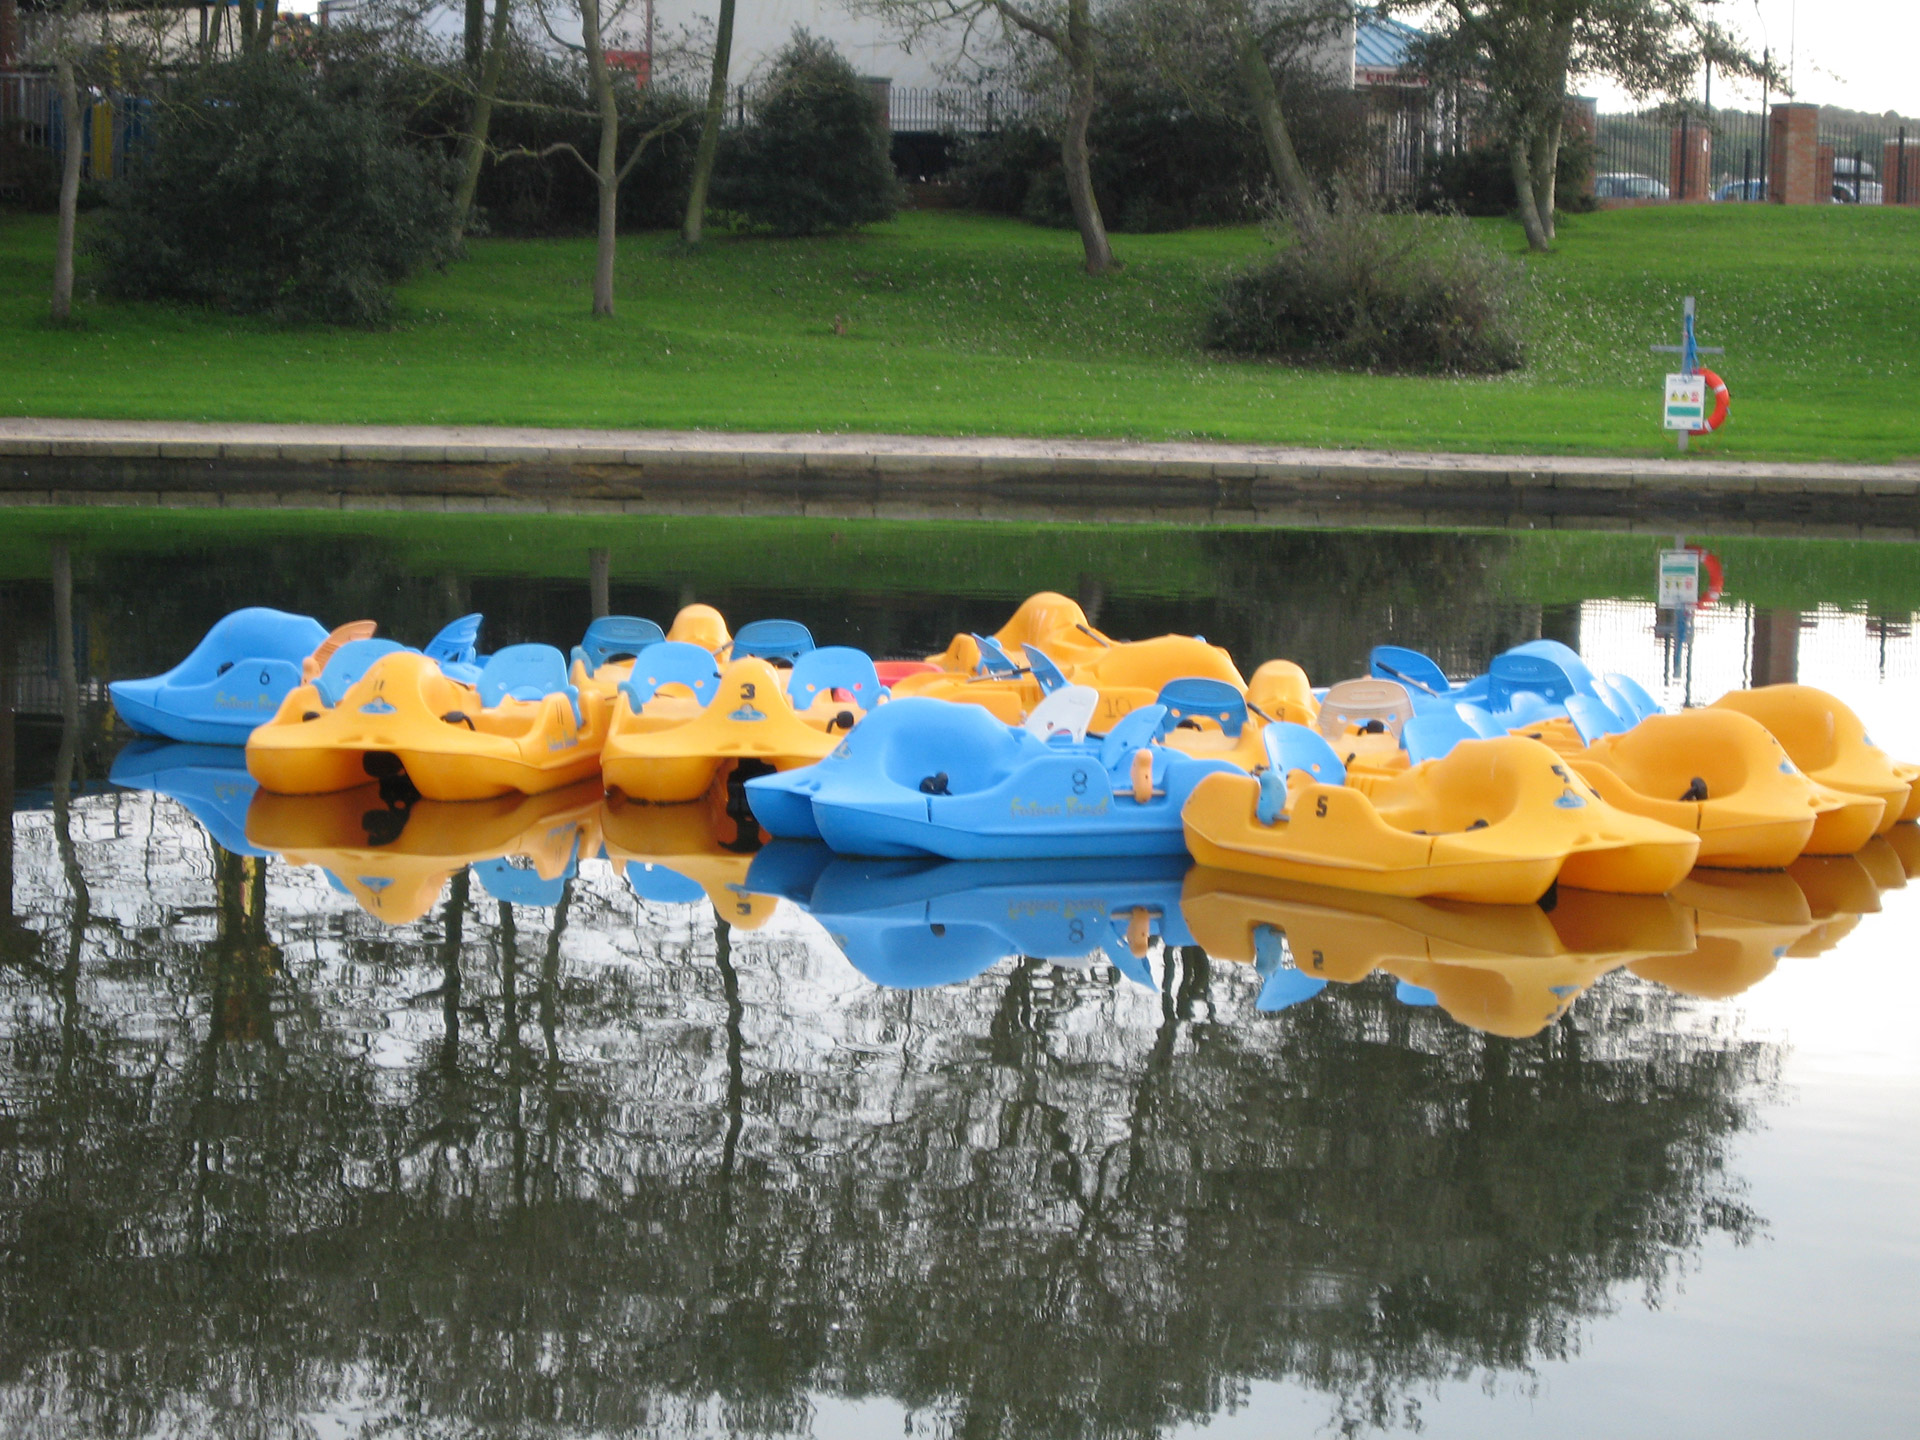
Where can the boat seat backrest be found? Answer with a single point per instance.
(255, 633)
(994, 660)
(1434, 732)
(784, 640)
(1562, 654)
(834, 667)
(526, 672)
(1293, 747)
(1593, 718)
(1634, 694)
(1066, 711)
(672, 662)
(1137, 728)
(1409, 667)
(1516, 671)
(614, 635)
(1192, 698)
(1352, 703)
(348, 664)
(458, 641)
(1478, 720)
(1050, 675)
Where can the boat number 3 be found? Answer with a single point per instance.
(1079, 782)
(1320, 807)
(747, 690)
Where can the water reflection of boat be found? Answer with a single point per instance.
(211, 781)
(909, 924)
(1507, 969)
(395, 859)
(1744, 922)
(679, 854)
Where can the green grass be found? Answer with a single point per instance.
(963, 325)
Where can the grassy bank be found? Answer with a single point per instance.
(965, 325)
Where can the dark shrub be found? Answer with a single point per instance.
(264, 192)
(1161, 164)
(1479, 181)
(1358, 288)
(815, 156)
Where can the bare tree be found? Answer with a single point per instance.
(1523, 53)
(1067, 29)
(716, 113)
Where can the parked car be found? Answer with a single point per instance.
(1858, 192)
(1742, 190)
(1628, 187)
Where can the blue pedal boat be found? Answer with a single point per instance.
(910, 924)
(927, 777)
(233, 681)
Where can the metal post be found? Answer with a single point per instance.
(1680, 181)
(1901, 167)
(1766, 89)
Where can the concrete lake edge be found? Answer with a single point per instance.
(846, 476)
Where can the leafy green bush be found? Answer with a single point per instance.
(1361, 289)
(1479, 180)
(815, 156)
(265, 191)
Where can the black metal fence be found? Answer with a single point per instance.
(1635, 156)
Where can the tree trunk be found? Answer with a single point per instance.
(473, 149)
(696, 220)
(606, 167)
(1520, 154)
(269, 19)
(1256, 80)
(1074, 156)
(61, 308)
(1545, 165)
(249, 24)
(473, 35)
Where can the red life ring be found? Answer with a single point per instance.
(1722, 402)
(1713, 574)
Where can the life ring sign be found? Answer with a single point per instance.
(1688, 401)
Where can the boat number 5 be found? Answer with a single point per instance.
(1320, 808)
(1079, 782)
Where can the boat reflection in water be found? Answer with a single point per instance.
(211, 781)
(681, 854)
(394, 856)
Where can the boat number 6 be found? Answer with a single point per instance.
(1320, 808)
(266, 678)
(1079, 782)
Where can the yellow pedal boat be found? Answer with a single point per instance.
(1723, 775)
(395, 859)
(1047, 619)
(1828, 741)
(663, 753)
(1495, 821)
(1504, 969)
(452, 741)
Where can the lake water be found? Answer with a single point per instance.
(426, 1132)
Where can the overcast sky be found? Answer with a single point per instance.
(1863, 54)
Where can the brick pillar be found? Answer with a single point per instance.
(1900, 171)
(1690, 161)
(1793, 152)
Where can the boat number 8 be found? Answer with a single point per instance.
(1077, 931)
(1320, 808)
(1079, 782)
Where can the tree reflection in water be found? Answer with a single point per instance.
(602, 1167)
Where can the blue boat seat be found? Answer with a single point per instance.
(521, 884)
(672, 662)
(1050, 675)
(1138, 728)
(1418, 996)
(1433, 733)
(1201, 699)
(1283, 985)
(776, 640)
(457, 641)
(1478, 720)
(1067, 711)
(1293, 747)
(993, 659)
(526, 672)
(662, 885)
(834, 667)
(1635, 695)
(1358, 702)
(614, 635)
(1517, 671)
(1409, 667)
(1592, 718)
(348, 664)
